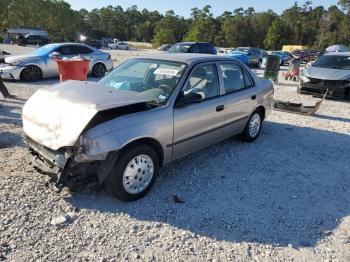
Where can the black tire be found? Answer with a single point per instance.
(247, 136)
(114, 182)
(99, 70)
(31, 73)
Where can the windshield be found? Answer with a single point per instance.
(155, 80)
(180, 48)
(333, 61)
(44, 50)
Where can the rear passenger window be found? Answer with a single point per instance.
(81, 50)
(233, 77)
(247, 79)
(195, 49)
(203, 48)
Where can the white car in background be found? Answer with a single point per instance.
(41, 63)
(119, 45)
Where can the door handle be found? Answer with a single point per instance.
(220, 108)
(253, 97)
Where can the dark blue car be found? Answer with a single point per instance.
(193, 47)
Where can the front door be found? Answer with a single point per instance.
(65, 51)
(199, 124)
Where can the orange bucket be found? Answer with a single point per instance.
(73, 70)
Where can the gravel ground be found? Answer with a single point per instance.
(285, 197)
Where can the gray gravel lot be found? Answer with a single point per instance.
(285, 197)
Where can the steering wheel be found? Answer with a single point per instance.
(167, 89)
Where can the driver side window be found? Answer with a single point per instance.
(203, 81)
(65, 50)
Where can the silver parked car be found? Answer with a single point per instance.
(40, 63)
(146, 113)
(330, 72)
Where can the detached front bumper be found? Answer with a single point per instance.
(336, 89)
(10, 72)
(47, 161)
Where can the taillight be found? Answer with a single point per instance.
(109, 57)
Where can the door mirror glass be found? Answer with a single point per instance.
(55, 54)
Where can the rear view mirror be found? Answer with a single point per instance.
(189, 98)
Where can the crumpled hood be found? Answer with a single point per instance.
(11, 59)
(56, 116)
(327, 73)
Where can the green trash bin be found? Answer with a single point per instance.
(272, 68)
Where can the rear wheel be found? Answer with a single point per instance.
(134, 173)
(253, 127)
(31, 73)
(99, 70)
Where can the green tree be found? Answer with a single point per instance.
(203, 26)
(277, 35)
(163, 36)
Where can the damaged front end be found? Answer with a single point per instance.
(56, 120)
(339, 89)
(69, 166)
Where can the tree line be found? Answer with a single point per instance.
(304, 24)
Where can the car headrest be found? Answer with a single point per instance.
(232, 74)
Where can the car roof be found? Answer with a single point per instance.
(338, 53)
(70, 43)
(188, 58)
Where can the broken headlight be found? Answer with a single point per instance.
(15, 63)
(304, 78)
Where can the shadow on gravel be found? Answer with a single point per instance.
(334, 118)
(9, 139)
(291, 186)
(10, 115)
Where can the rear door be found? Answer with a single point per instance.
(84, 51)
(199, 124)
(240, 93)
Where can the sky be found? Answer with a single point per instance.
(183, 7)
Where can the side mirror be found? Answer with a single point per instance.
(54, 54)
(190, 98)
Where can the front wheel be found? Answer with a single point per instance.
(134, 174)
(31, 73)
(253, 127)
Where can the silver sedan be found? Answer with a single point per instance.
(40, 63)
(145, 114)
